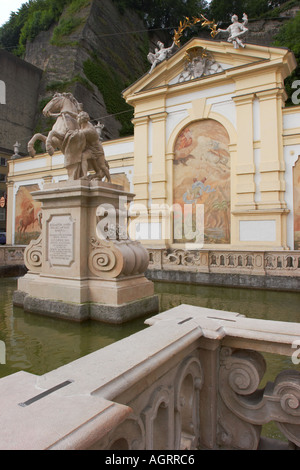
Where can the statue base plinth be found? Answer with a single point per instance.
(72, 273)
(113, 314)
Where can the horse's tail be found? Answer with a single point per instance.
(30, 145)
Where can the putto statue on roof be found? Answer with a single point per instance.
(160, 54)
(236, 30)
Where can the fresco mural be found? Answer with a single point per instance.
(202, 176)
(28, 215)
(297, 205)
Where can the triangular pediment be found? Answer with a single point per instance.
(219, 57)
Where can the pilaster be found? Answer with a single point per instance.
(159, 172)
(140, 179)
(245, 168)
(272, 185)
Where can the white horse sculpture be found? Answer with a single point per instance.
(67, 137)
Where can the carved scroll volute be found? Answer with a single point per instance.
(240, 372)
(114, 258)
(287, 392)
(239, 377)
(105, 260)
(33, 256)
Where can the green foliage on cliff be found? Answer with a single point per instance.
(289, 36)
(35, 16)
(222, 10)
(111, 86)
(163, 13)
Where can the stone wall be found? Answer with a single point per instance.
(17, 115)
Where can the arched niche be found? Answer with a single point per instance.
(201, 176)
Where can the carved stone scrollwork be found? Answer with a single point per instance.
(189, 381)
(287, 391)
(243, 369)
(181, 257)
(33, 256)
(129, 435)
(158, 418)
(105, 260)
(240, 374)
(111, 259)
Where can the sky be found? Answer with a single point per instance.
(6, 7)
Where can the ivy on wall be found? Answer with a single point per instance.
(110, 86)
(35, 16)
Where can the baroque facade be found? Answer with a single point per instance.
(211, 131)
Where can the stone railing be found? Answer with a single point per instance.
(189, 381)
(257, 269)
(276, 263)
(10, 258)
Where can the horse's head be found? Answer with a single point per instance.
(62, 102)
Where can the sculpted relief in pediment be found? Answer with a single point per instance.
(199, 62)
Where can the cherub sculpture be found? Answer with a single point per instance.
(160, 54)
(236, 30)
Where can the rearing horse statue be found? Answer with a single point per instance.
(67, 136)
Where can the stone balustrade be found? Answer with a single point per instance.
(261, 269)
(11, 259)
(190, 381)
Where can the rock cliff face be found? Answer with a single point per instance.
(95, 52)
(95, 61)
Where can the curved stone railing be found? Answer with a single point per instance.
(255, 269)
(276, 263)
(11, 260)
(190, 381)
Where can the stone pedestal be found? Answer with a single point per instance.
(83, 265)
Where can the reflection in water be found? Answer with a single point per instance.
(268, 305)
(39, 344)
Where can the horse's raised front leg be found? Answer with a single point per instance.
(52, 142)
(30, 145)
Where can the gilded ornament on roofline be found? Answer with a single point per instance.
(187, 23)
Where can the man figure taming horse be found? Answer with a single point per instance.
(75, 136)
(91, 154)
